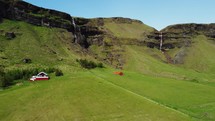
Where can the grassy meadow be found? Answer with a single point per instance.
(100, 95)
(82, 95)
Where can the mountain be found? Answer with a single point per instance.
(168, 74)
(90, 34)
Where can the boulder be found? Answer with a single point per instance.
(179, 57)
(26, 60)
(10, 35)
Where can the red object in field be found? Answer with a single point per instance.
(119, 73)
(41, 76)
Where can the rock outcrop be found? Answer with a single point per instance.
(10, 35)
(125, 20)
(27, 12)
(87, 33)
(19, 10)
(192, 29)
(180, 35)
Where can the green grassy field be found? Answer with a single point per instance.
(100, 95)
(150, 61)
(193, 99)
(81, 96)
(150, 90)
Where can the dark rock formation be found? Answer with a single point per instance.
(180, 35)
(3, 8)
(90, 36)
(157, 45)
(169, 35)
(81, 21)
(24, 11)
(90, 31)
(125, 20)
(192, 29)
(168, 46)
(95, 40)
(153, 45)
(85, 34)
(10, 35)
(26, 60)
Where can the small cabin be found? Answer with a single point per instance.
(39, 77)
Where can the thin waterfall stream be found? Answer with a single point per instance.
(161, 40)
(75, 29)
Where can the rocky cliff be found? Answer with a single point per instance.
(23, 11)
(192, 29)
(180, 35)
(85, 32)
(20, 10)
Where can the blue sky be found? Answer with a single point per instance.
(155, 13)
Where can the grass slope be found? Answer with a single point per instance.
(133, 30)
(80, 96)
(45, 46)
(203, 49)
(193, 99)
(150, 61)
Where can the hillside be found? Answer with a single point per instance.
(32, 42)
(172, 81)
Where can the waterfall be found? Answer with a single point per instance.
(161, 40)
(78, 37)
(167, 56)
(73, 22)
(75, 28)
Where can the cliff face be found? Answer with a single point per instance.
(181, 38)
(100, 32)
(23, 11)
(88, 32)
(180, 35)
(106, 33)
(192, 29)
